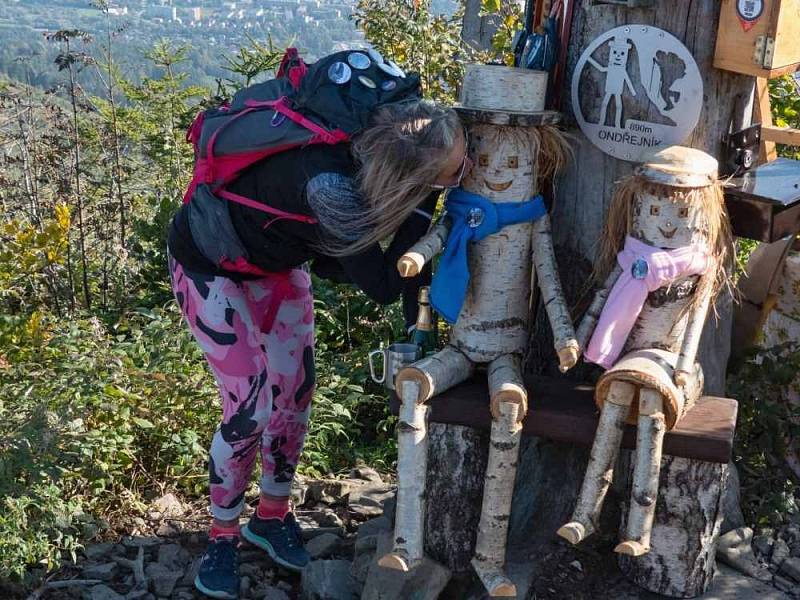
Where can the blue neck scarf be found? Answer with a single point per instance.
(473, 218)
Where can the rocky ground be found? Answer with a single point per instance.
(346, 524)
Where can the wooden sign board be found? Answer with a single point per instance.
(759, 37)
(764, 204)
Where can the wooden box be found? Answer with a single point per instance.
(759, 37)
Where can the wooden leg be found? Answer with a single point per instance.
(600, 471)
(649, 441)
(416, 384)
(490, 547)
(506, 385)
(412, 458)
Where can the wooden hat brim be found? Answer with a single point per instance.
(507, 117)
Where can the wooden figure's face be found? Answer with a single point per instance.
(665, 222)
(503, 166)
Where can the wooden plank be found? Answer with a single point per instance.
(781, 135)
(786, 33)
(564, 411)
(762, 113)
(735, 47)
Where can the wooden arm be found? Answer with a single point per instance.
(428, 246)
(589, 321)
(691, 340)
(544, 261)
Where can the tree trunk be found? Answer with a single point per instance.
(457, 458)
(681, 561)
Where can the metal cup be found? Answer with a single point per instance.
(395, 357)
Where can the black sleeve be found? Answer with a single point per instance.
(375, 271)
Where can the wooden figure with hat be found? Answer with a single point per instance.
(664, 257)
(496, 238)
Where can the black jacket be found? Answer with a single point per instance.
(281, 181)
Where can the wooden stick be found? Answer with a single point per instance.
(691, 341)
(429, 245)
(544, 261)
(506, 385)
(136, 565)
(589, 321)
(501, 470)
(649, 442)
(437, 373)
(600, 471)
(763, 115)
(412, 460)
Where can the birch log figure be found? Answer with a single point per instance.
(667, 226)
(492, 323)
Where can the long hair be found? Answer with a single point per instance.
(717, 233)
(399, 155)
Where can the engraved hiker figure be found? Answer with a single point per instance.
(616, 78)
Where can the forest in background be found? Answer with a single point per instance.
(105, 400)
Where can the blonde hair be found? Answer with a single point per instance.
(399, 156)
(717, 232)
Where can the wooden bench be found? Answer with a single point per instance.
(558, 430)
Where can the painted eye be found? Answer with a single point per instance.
(483, 160)
(513, 162)
(637, 210)
(655, 210)
(683, 212)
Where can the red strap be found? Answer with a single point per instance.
(249, 202)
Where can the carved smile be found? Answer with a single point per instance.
(668, 234)
(498, 187)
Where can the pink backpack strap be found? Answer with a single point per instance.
(250, 203)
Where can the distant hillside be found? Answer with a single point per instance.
(212, 29)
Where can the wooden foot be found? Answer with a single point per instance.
(573, 532)
(631, 548)
(394, 561)
(494, 580)
(600, 471)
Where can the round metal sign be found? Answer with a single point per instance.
(636, 89)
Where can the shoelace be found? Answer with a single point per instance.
(226, 560)
(293, 532)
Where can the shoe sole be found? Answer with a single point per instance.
(266, 546)
(212, 593)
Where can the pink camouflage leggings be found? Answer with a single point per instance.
(265, 380)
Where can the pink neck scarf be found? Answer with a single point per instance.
(644, 270)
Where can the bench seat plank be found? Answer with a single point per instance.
(564, 411)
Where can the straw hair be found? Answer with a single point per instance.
(399, 156)
(716, 229)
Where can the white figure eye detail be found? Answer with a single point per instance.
(655, 210)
